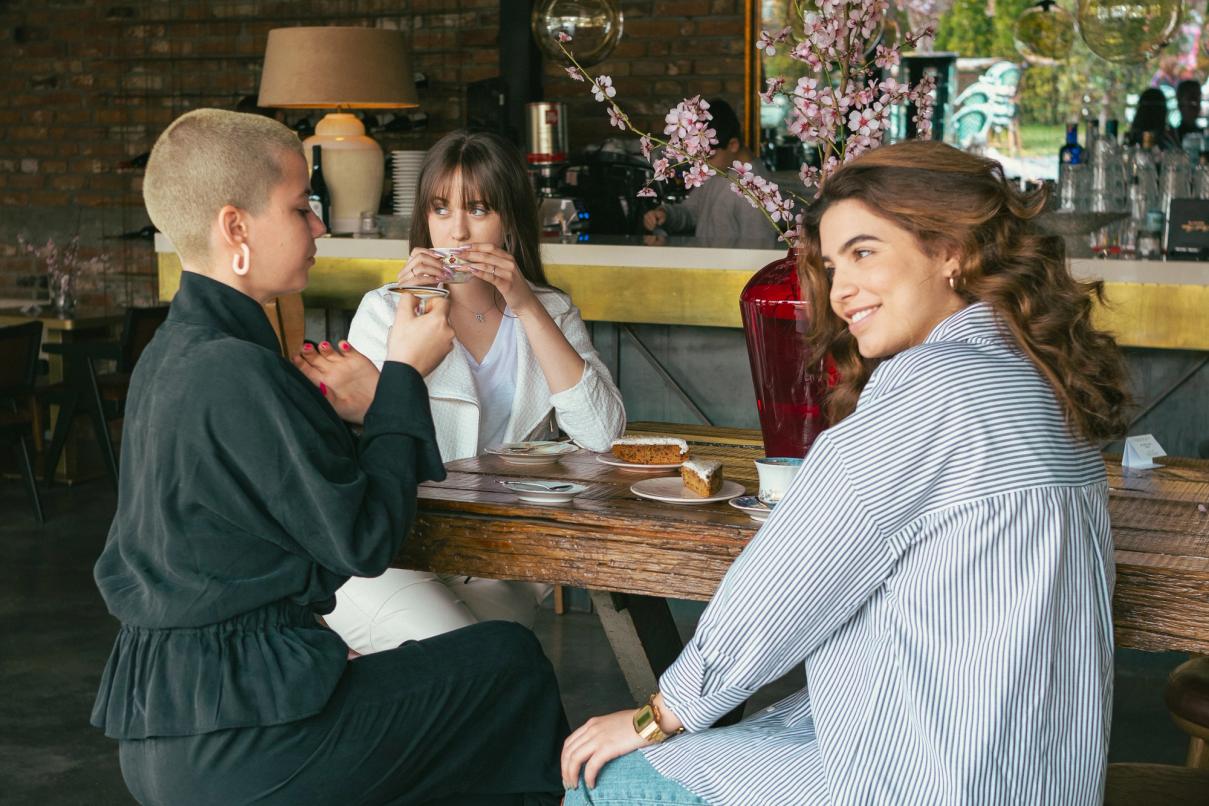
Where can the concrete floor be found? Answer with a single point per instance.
(55, 636)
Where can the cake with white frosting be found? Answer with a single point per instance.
(650, 450)
(702, 477)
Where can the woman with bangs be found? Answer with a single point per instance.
(523, 368)
(942, 567)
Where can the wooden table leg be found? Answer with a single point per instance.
(645, 641)
(643, 636)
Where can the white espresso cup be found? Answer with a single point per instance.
(776, 474)
(450, 259)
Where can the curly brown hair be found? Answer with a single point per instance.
(951, 200)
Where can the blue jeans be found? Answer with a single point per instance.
(631, 779)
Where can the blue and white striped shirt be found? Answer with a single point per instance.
(943, 567)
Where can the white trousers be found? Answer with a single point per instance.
(382, 612)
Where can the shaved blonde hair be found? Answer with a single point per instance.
(205, 160)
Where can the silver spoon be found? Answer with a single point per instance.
(535, 487)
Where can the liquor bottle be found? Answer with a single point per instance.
(1071, 153)
(1109, 191)
(320, 198)
(1070, 158)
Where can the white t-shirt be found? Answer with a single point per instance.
(495, 380)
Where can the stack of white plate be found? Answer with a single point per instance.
(405, 173)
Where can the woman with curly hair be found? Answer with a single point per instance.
(942, 566)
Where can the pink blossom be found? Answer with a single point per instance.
(741, 169)
(563, 36)
(696, 175)
(574, 73)
(602, 88)
(646, 193)
(887, 58)
(616, 118)
(662, 169)
(775, 85)
(644, 144)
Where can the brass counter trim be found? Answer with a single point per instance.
(1140, 314)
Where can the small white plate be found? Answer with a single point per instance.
(610, 459)
(671, 490)
(531, 490)
(758, 510)
(539, 452)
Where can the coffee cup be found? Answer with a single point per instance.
(453, 263)
(776, 474)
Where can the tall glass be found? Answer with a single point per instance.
(789, 392)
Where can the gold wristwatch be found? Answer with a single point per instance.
(646, 723)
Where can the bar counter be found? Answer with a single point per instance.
(1156, 304)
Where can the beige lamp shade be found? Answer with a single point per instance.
(333, 67)
(340, 68)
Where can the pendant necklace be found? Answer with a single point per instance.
(481, 318)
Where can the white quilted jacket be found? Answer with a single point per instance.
(590, 412)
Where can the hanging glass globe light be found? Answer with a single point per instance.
(593, 25)
(1128, 31)
(1044, 33)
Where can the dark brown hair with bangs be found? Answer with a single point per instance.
(492, 172)
(947, 198)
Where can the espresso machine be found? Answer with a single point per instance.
(560, 215)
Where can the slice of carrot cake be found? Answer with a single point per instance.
(702, 476)
(650, 450)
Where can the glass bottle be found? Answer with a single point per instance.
(1108, 190)
(319, 198)
(1070, 157)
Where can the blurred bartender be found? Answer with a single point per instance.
(714, 211)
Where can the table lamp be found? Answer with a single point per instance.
(340, 68)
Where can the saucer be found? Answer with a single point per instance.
(610, 459)
(670, 490)
(543, 491)
(757, 509)
(420, 291)
(538, 452)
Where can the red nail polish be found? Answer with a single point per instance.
(325, 345)
(344, 345)
(306, 347)
(323, 389)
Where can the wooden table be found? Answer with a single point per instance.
(632, 552)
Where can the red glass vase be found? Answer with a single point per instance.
(789, 392)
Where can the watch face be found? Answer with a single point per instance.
(644, 718)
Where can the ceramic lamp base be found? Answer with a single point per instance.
(353, 167)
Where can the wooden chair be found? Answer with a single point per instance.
(19, 348)
(1187, 698)
(287, 315)
(100, 396)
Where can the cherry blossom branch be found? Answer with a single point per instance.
(840, 107)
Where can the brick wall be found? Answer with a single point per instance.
(87, 86)
(670, 49)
